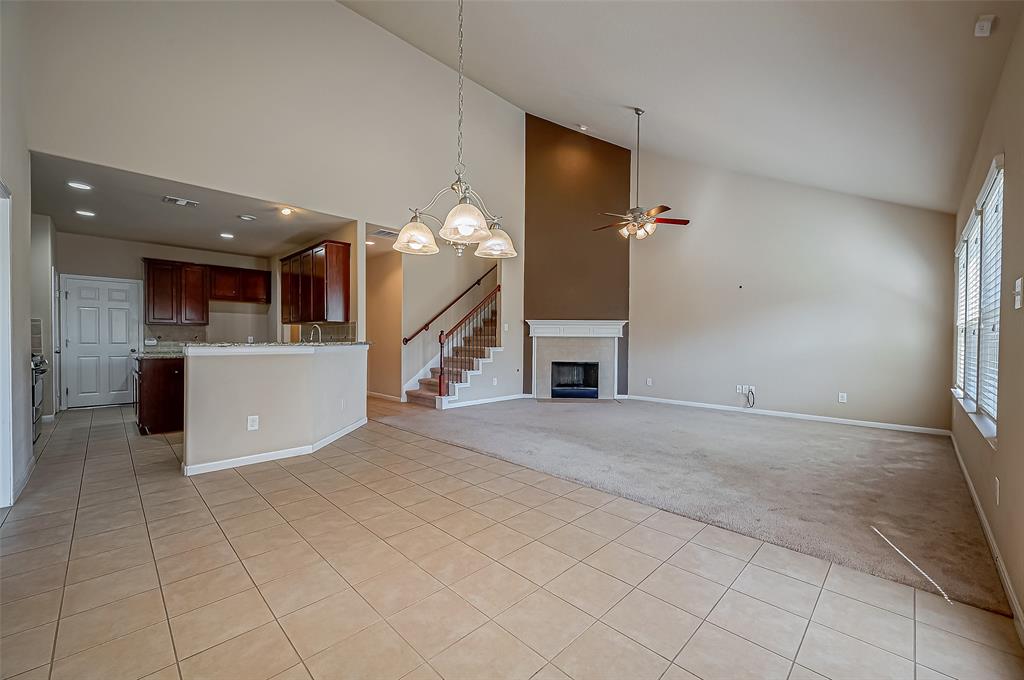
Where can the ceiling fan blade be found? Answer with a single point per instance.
(670, 220)
(609, 226)
(657, 210)
(624, 217)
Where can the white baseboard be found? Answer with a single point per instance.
(489, 400)
(798, 416)
(1011, 595)
(49, 419)
(200, 468)
(381, 395)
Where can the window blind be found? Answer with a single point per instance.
(961, 314)
(972, 308)
(991, 270)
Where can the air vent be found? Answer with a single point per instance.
(184, 202)
(385, 233)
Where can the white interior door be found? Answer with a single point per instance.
(101, 336)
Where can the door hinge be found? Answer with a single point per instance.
(66, 295)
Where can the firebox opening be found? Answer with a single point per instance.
(573, 380)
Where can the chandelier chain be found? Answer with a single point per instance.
(460, 167)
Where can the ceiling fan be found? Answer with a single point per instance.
(637, 221)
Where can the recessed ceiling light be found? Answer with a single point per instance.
(247, 218)
(583, 128)
(287, 211)
(86, 213)
(75, 184)
(227, 235)
(370, 243)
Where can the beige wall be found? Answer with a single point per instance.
(95, 256)
(42, 254)
(799, 291)
(1003, 133)
(300, 399)
(14, 171)
(326, 146)
(384, 322)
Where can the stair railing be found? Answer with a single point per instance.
(467, 338)
(426, 326)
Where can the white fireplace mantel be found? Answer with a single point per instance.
(566, 328)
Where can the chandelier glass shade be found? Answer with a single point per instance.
(469, 222)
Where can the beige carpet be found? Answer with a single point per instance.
(813, 487)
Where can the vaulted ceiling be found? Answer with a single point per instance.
(879, 99)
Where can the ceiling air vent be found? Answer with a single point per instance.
(184, 202)
(385, 233)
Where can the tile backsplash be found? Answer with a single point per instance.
(173, 336)
(332, 332)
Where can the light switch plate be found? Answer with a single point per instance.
(252, 423)
(1018, 293)
(842, 397)
(650, 381)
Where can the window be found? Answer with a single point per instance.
(978, 272)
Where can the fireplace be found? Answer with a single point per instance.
(574, 380)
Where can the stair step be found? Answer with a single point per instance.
(477, 352)
(463, 363)
(421, 397)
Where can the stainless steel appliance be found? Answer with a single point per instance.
(39, 368)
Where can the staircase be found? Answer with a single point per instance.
(463, 350)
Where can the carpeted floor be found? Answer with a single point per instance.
(813, 487)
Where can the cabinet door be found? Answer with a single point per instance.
(318, 285)
(306, 286)
(195, 295)
(255, 286)
(286, 291)
(225, 283)
(163, 280)
(337, 282)
(296, 290)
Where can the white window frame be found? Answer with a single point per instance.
(973, 390)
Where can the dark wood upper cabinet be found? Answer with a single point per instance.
(163, 297)
(195, 295)
(239, 285)
(315, 284)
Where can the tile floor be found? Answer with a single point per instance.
(387, 555)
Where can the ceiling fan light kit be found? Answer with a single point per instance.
(469, 222)
(638, 222)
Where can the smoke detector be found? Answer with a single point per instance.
(183, 202)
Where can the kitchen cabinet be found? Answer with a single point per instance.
(177, 293)
(159, 394)
(239, 285)
(315, 284)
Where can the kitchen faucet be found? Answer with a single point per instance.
(319, 333)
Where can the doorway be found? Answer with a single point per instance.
(384, 283)
(101, 325)
(6, 355)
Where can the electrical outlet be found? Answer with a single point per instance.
(650, 381)
(746, 388)
(1018, 293)
(249, 339)
(842, 397)
(494, 381)
(504, 327)
(252, 423)
(997, 492)
(739, 389)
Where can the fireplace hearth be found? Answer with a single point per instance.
(574, 380)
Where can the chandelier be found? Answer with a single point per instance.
(469, 222)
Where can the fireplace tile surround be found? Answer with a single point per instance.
(575, 341)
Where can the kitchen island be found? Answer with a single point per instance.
(248, 404)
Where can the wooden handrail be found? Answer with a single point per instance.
(487, 298)
(426, 326)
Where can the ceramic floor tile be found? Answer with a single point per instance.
(895, 597)
(565, 509)
(766, 625)
(398, 588)
(653, 623)
(102, 624)
(318, 626)
(710, 564)
(488, 652)
(246, 524)
(302, 587)
(604, 652)
(876, 626)
(716, 654)
(276, 563)
(964, 659)
(392, 523)
(202, 589)
(728, 542)
(376, 652)
(675, 525)
(533, 523)
(687, 591)
(651, 542)
(587, 588)
(260, 654)
(627, 509)
(531, 496)
(493, 589)
(453, 562)
(774, 588)
(264, 540)
(26, 650)
(791, 563)
(538, 562)
(109, 588)
(435, 509)
(623, 563)
(591, 497)
(547, 624)
(440, 620)
(497, 540)
(463, 523)
(841, 657)
(187, 540)
(134, 655)
(219, 621)
(972, 623)
(30, 612)
(574, 541)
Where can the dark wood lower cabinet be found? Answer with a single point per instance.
(160, 394)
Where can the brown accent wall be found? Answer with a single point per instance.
(572, 272)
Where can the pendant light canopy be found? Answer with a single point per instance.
(469, 222)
